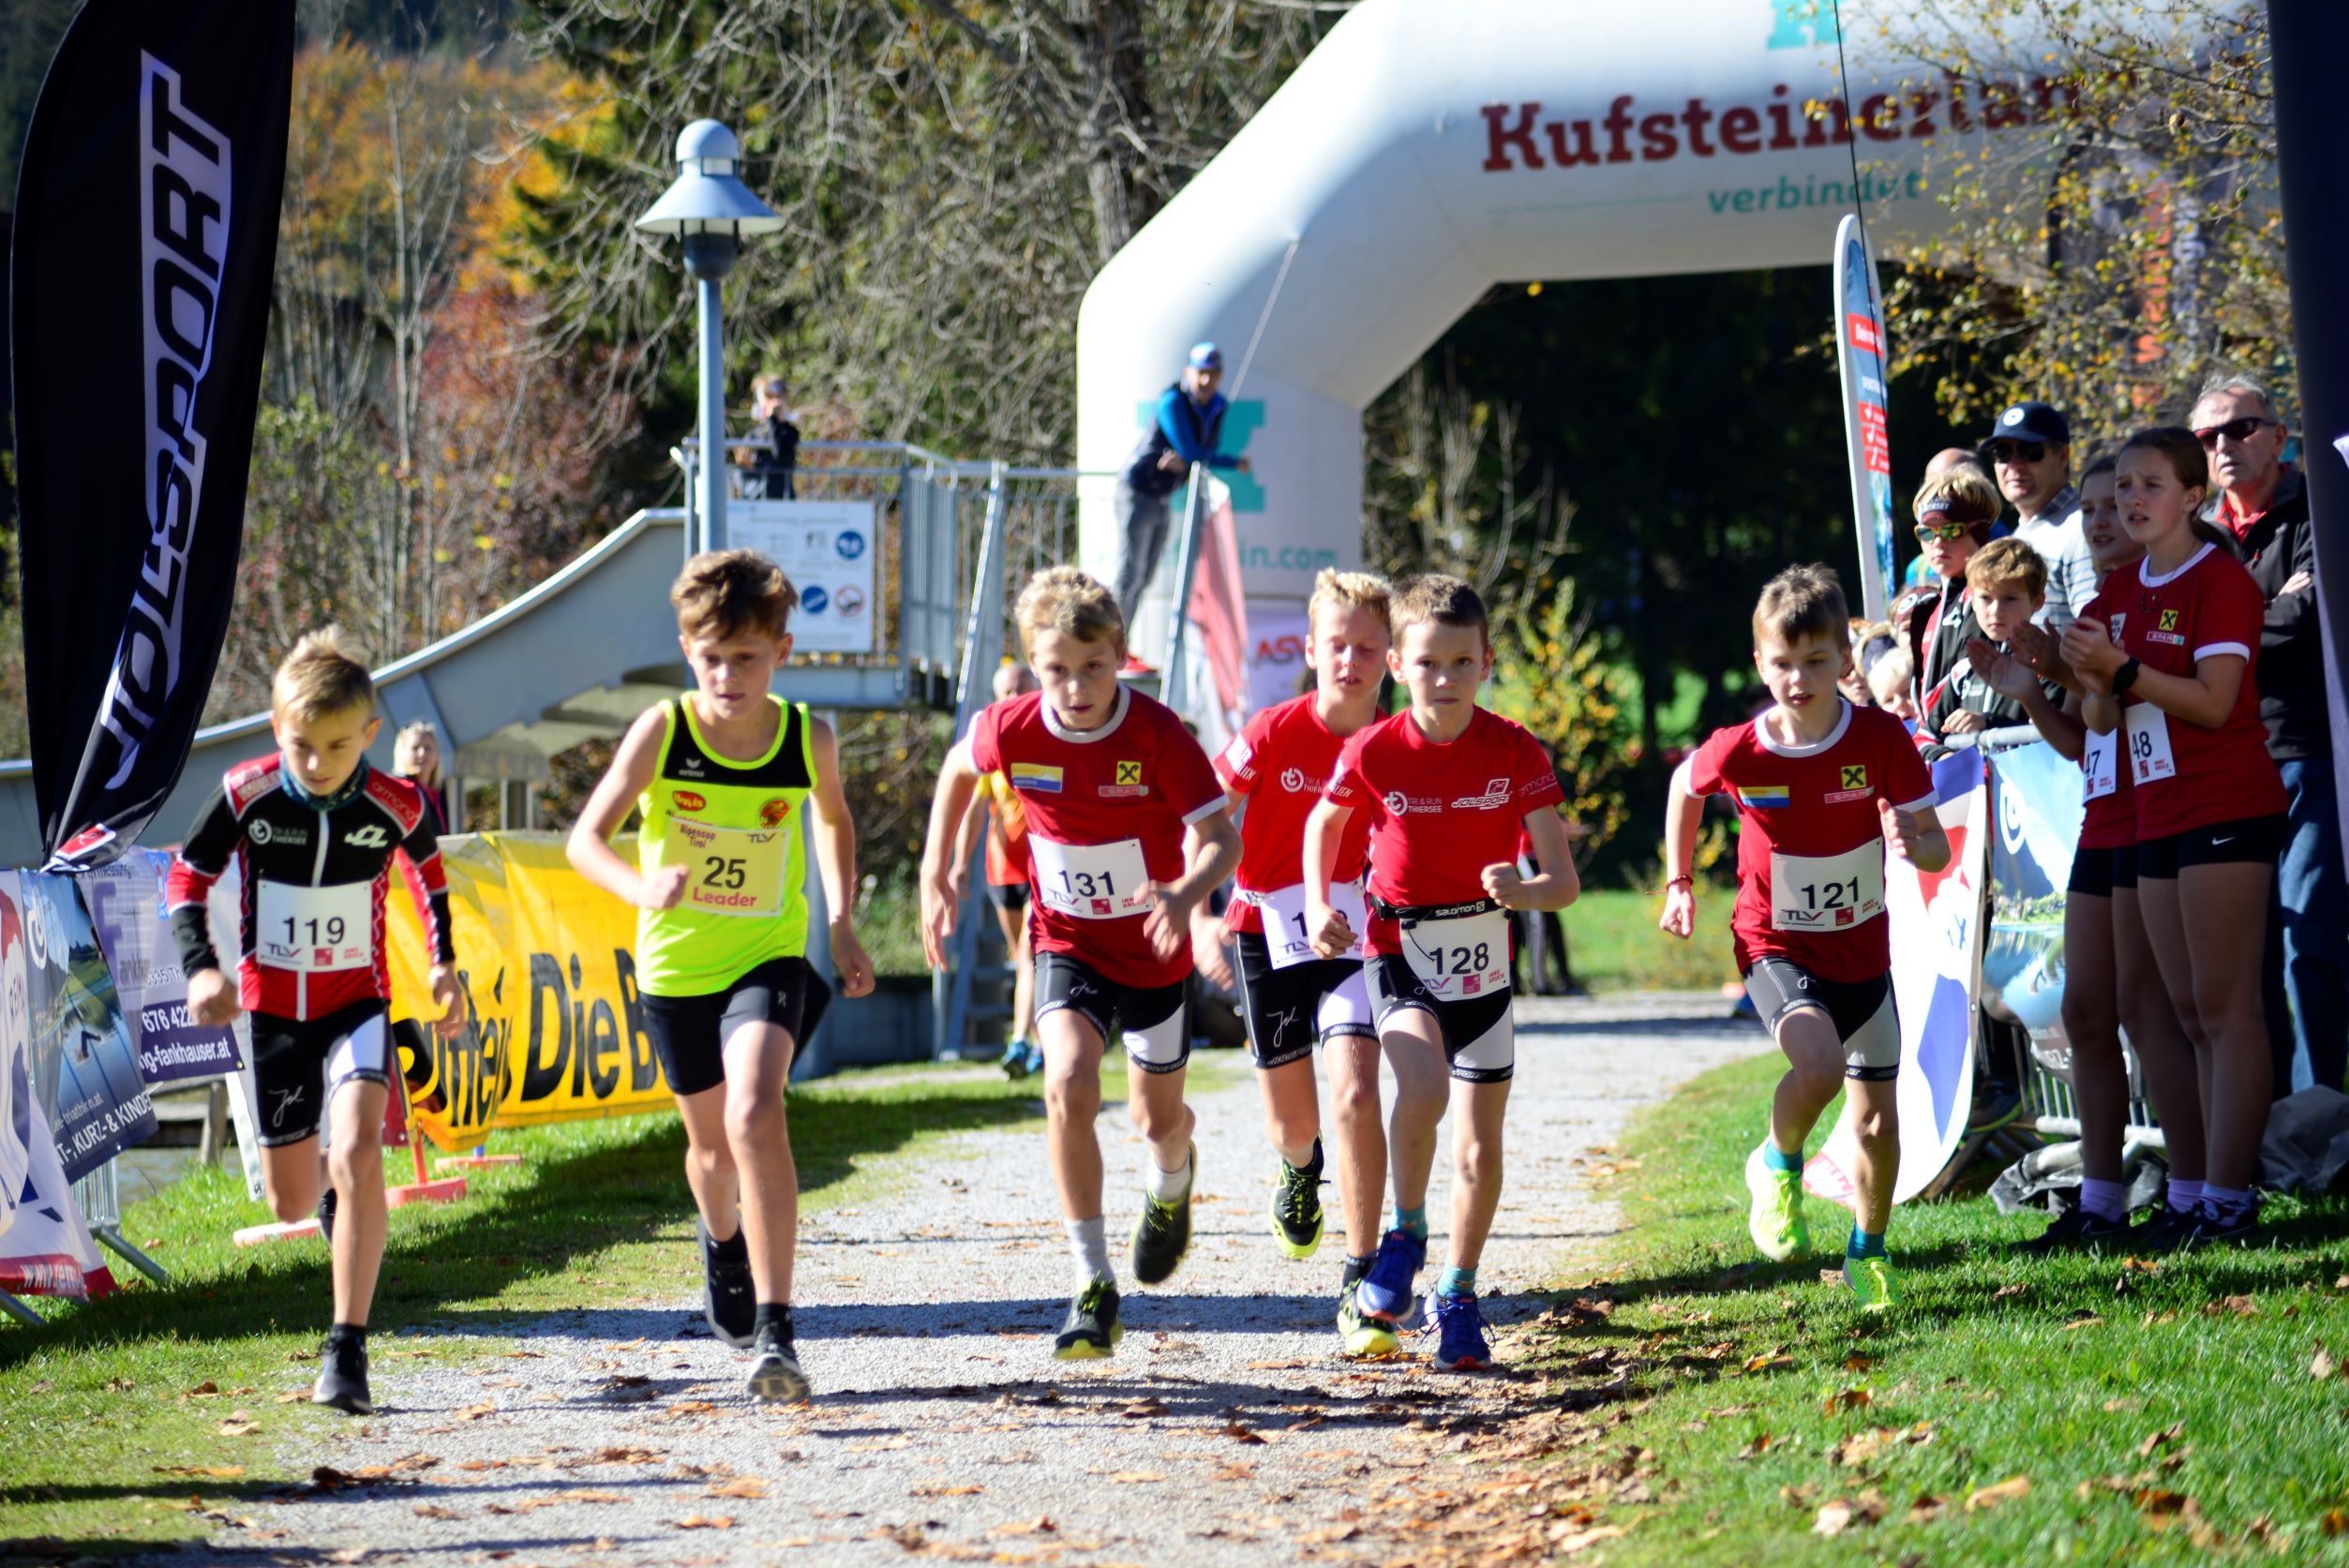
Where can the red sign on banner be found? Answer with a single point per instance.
(1865, 336)
(1875, 442)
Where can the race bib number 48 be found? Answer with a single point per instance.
(1285, 934)
(1827, 892)
(2150, 758)
(1092, 881)
(1460, 958)
(729, 871)
(315, 930)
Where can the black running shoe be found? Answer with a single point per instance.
(1161, 1233)
(1092, 1330)
(728, 1298)
(1996, 1105)
(2078, 1231)
(776, 1378)
(2210, 1232)
(342, 1378)
(2163, 1233)
(1296, 1206)
(326, 1215)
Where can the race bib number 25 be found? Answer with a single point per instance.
(730, 871)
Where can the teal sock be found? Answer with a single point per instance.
(1456, 1282)
(1864, 1245)
(1412, 1222)
(1778, 1159)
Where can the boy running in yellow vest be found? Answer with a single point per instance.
(722, 776)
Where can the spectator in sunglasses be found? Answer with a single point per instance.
(2029, 452)
(1953, 516)
(2262, 502)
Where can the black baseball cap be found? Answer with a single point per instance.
(2030, 422)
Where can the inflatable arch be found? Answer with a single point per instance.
(1429, 149)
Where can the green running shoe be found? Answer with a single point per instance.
(1775, 1220)
(776, 1378)
(1161, 1232)
(1092, 1330)
(1296, 1206)
(1872, 1282)
(1015, 1063)
(1365, 1338)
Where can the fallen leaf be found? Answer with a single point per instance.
(2321, 1366)
(2160, 1508)
(1582, 1541)
(1926, 1508)
(2082, 1319)
(219, 1472)
(291, 1395)
(1141, 1410)
(2115, 1405)
(2139, 1265)
(740, 1487)
(1834, 1518)
(2005, 1491)
(2020, 1287)
(1858, 1362)
(948, 1491)
(436, 1511)
(1040, 1524)
(1235, 1472)
(1769, 1361)
(1239, 1433)
(697, 1521)
(1756, 1449)
(474, 1412)
(1128, 1477)
(203, 1390)
(2336, 1520)
(1276, 1366)
(238, 1423)
(2241, 1307)
(688, 1406)
(1849, 1399)
(2161, 1439)
(349, 1554)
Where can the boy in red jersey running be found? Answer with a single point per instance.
(1296, 1000)
(1823, 790)
(1444, 878)
(1126, 837)
(314, 830)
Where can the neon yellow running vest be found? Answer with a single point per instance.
(735, 828)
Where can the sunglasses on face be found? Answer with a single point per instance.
(2017, 452)
(2235, 430)
(1928, 532)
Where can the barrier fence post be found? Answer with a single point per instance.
(1172, 688)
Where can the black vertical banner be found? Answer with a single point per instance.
(146, 234)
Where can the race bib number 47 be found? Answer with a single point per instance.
(1827, 892)
(1091, 881)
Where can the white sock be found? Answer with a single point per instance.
(2183, 1196)
(2108, 1200)
(1167, 1187)
(1088, 1244)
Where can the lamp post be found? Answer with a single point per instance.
(711, 210)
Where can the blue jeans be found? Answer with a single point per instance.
(2313, 896)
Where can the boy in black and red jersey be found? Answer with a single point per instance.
(1823, 790)
(1446, 788)
(1276, 771)
(1126, 835)
(315, 831)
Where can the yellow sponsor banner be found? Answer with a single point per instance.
(555, 1030)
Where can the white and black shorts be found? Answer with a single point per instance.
(1861, 1011)
(1479, 1035)
(1152, 1021)
(300, 1065)
(1292, 1010)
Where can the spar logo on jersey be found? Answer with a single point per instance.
(1852, 784)
(370, 836)
(1128, 775)
(688, 801)
(1496, 794)
(2165, 630)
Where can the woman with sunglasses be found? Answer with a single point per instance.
(2170, 668)
(1954, 511)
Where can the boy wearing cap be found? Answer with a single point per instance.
(2029, 453)
(1187, 427)
(1953, 514)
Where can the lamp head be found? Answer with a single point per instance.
(706, 204)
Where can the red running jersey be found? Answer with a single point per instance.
(2187, 776)
(1106, 809)
(1810, 844)
(1282, 762)
(1439, 814)
(2108, 817)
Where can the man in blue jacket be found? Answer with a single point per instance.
(1187, 426)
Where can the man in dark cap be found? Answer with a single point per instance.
(2029, 453)
(1186, 428)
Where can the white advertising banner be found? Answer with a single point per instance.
(825, 547)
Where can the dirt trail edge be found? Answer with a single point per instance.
(1225, 1431)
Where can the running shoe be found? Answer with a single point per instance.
(2165, 1232)
(1996, 1105)
(1365, 1339)
(776, 1378)
(343, 1377)
(1872, 1282)
(1161, 1232)
(1385, 1291)
(1015, 1063)
(1459, 1327)
(729, 1299)
(2209, 1231)
(1296, 1206)
(326, 1215)
(1035, 1057)
(1774, 1221)
(2078, 1231)
(1092, 1330)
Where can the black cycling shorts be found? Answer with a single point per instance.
(689, 1033)
(1861, 1011)
(299, 1065)
(1479, 1035)
(1010, 896)
(2248, 840)
(1292, 1010)
(1151, 1021)
(2098, 872)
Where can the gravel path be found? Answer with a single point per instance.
(1223, 1433)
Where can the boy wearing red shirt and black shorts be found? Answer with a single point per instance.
(1447, 787)
(1127, 836)
(1823, 790)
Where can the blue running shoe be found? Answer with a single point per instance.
(1460, 1345)
(1386, 1290)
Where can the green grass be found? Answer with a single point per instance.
(94, 1408)
(2062, 1371)
(1612, 939)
